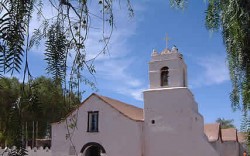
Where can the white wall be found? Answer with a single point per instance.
(230, 148)
(177, 70)
(119, 135)
(178, 128)
(218, 146)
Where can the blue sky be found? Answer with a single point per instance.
(123, 73)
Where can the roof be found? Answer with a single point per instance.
(127, 110)
(229, 134)
(212, 131)
(242, 137)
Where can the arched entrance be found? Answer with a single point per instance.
(93, 149)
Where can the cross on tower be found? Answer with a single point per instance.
(167, 39)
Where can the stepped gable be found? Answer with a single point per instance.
(212, 131)
(242, 137)
(229, 134)
(127, 110)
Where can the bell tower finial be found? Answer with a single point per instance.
(167, 39)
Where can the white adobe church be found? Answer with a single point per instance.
(169, 124)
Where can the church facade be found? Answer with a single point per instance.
(169, 124)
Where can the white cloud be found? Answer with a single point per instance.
(115, 72)
(215, 71)
(135, 93)
(116, 67)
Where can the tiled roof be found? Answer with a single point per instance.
(212, 131)
(127, 110)
(229, 134)
(132, 112)
(242, 137)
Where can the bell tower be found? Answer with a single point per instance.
(172, 123)
(167, 69)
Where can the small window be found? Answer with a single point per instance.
(93, 121)
(164, 76)
(153, 121)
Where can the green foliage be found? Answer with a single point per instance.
(14, 133)
(8, 95)
(43, 101)
(56, 51)
(179, 4)
(213, 15)
(233, 16)
(66, 37)
(13, 24)
(225, 123)
(65, 34)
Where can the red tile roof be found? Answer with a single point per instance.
(212, 131)
(242, 137)
(127, 110)
(229, 134)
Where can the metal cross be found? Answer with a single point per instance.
(167, 39)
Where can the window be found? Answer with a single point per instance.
(93, 121)
(164, 76)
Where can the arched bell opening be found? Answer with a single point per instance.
(164, 76)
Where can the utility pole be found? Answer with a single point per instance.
(23, 134)
(26, 134)
(36, 132)
(33, 133)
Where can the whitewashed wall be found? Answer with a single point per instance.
(119, 135)
(217, 145)
(230, 148)
(178, 128)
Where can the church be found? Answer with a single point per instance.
(170, 123)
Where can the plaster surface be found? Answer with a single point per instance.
(178, 128)
(118, 134)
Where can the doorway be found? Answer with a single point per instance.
(93, 149)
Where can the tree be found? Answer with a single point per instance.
(8, 94)
(67, 32)
(65, 36)
(233, 18)
(225, 123)
(52, 103)
(46, 104)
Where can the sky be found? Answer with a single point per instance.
(123, 73)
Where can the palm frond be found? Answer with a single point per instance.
(13, 26)
(55, 55)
